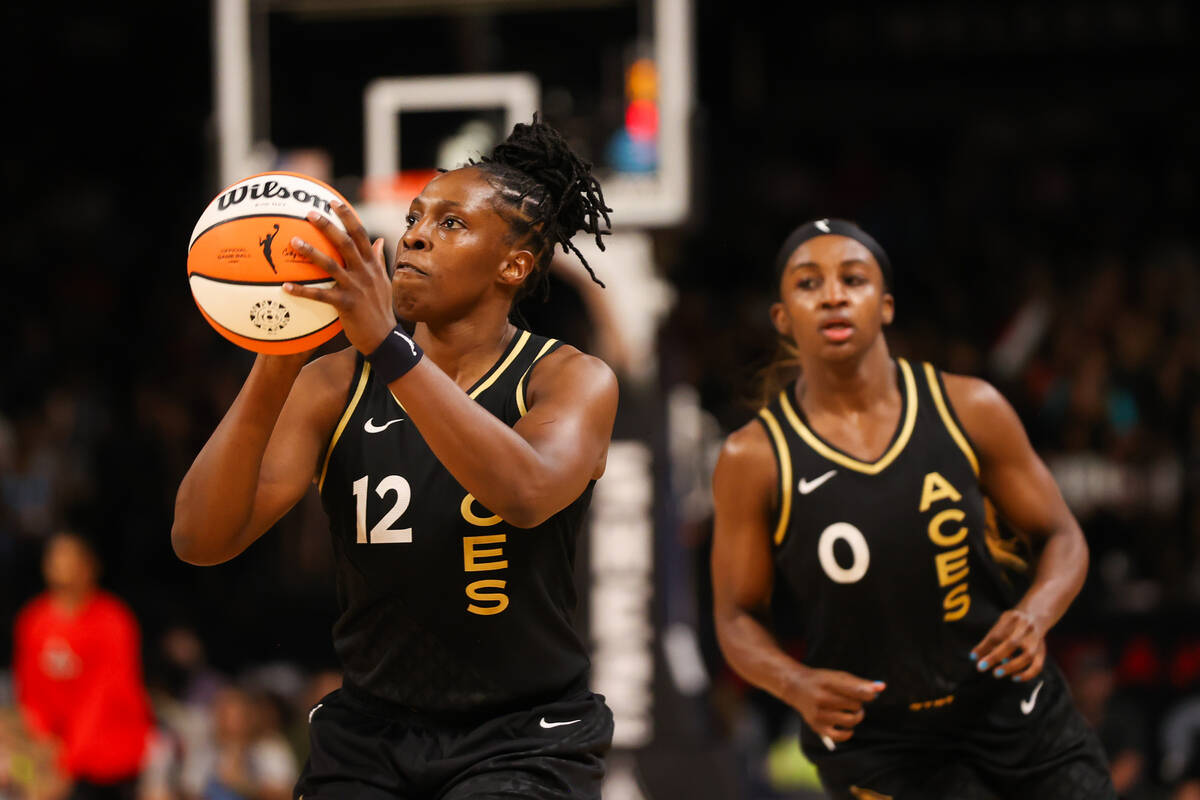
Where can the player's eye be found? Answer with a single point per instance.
(410, 220)
(855, 280)
(453, 222)
(807, 283)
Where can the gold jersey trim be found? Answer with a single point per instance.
(785, 474)
(521, 383)
(498, 371)
(341, 426)
(957, 435)
(869, 468)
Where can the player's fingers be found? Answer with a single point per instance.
(319, 259)
(998, 656)
(844, 719)
(854, 687)
(380, 258)
(331, 296)
(354, 228)
(1036, 662)
(998, 633)
(834, 734)
(1013, 664)
(337, 237)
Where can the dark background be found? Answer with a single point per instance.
(1005, 155)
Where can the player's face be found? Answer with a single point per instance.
(456, 250)
(833, 303)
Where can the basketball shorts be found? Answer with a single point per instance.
(993, 742)
(546, 752)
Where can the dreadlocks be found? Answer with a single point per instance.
(547, 193)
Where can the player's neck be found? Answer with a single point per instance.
(466, 348)
(854, 385)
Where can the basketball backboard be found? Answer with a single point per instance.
(292, 76)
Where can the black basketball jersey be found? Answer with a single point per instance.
(445, 606)
(891, 565)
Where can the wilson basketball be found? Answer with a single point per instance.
(240, 255)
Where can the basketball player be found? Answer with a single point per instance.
(455, 465)
(866, 488)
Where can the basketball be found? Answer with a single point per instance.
(240, 255)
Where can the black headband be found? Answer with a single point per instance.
(837, 227)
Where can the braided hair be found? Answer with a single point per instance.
(546, 193)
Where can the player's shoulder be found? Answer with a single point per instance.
(569, 367)
(325, 381)
(748, 443)
(333, 368)
(968, 392)
(747, 454)
(987, 417)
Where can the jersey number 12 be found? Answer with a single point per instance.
(382, 532)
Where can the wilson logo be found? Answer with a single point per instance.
(268, 190)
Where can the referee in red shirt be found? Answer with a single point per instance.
(78, 672)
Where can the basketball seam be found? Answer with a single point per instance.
(274, 341)
(219, 223)
(215, 279)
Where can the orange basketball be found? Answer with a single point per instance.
(240, 255)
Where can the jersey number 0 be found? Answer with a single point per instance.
(858, 548)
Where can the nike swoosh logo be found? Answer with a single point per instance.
(545, 724)
(370, 427)
(411, 345)
(310, 714)
(1027, 705)
(807, 486)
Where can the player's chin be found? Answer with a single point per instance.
(839, 351)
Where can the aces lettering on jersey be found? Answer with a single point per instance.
(951, 562)
(480, 553)
(479, 557)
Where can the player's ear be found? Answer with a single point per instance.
(889, 308)
(780, 319)
(517, 267)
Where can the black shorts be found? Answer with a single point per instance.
(551, 751)
(994, 741)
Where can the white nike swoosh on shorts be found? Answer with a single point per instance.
(546, 724)
(1027, 705)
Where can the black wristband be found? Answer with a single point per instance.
(395, 356)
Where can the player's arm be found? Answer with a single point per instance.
(536, 468)
(1024, 491)
(259, 461)
(744, 492)
(525, 473)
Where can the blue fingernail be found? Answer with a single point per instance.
(982, 666)
(974, 657)
(1000, 673)
(1005, 661)
(1016, 678)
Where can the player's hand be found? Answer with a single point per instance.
(1014, 648)
(831, 702)
(363, 294)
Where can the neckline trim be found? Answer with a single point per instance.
(908, 419)
(497, 369)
